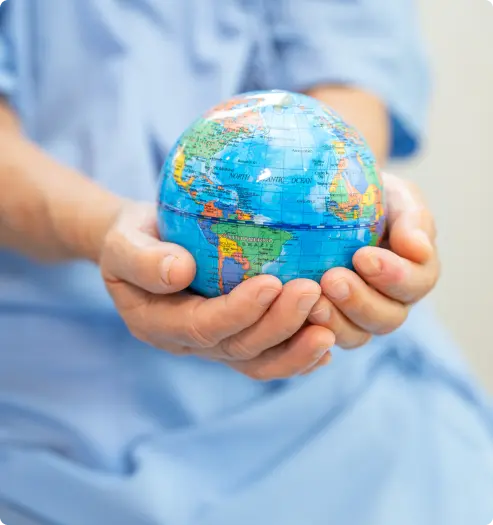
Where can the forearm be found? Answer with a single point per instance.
(48, 211)
(364, 111)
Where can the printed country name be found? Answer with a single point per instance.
(249, 239)
(275, 179)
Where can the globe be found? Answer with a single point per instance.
(269, 182)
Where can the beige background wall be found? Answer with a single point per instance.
(456, 169)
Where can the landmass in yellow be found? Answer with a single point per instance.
(229, 248)
(350, 202)
(243, 215)
(339, 147)
(179, 165)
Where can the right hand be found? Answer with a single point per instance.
(259, 328)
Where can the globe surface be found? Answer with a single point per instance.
(269, 182)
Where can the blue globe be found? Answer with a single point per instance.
(269, 182)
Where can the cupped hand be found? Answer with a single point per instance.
(259, 328)
(376, 299)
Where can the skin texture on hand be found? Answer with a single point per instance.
(259, 328)
(388, 279)
(376, 298)
(48, 211)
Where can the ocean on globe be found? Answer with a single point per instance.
(269, 182)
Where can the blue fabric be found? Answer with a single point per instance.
(97, 428)
(370, 44)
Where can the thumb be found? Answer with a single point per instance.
(410, 223)
(133, 253)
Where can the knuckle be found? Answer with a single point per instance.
(200, 338)
(235, 348)
(197, 334)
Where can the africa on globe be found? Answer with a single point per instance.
(269, 182)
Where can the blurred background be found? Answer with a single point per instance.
(456, 170)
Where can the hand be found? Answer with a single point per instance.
(376, 299)
(258, 329)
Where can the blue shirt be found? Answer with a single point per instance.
(96, 427)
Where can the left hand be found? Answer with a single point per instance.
(389, 279)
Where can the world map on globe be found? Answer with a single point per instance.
(269, 182)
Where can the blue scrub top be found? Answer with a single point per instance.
(96, 427)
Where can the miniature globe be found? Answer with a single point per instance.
(269, 182)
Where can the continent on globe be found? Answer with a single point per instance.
(269, 182)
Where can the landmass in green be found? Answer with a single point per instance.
(260, 244)
(208, 138)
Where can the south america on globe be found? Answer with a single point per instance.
(269, 182)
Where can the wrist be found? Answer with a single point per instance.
(90, 222)
(48, 211)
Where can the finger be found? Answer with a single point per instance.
(395, 277)
(364, 306)
(199, 324)
(323, 361)
(217, 319)
(348, 335)
(133, 253)
(291, 357)
(284, 318)
(411, 227)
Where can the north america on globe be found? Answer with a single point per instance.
(269, 182)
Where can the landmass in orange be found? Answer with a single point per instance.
(210, 210)
(243, 216)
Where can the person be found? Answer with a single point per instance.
(124, 398)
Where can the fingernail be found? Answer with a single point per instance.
(339, 289)
(166, 268)
(321, 316)
(322, 351)
(372, 265)
(307, 302)
(324, 347)
(265, 297)
(325, 360)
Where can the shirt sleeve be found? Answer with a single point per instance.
(374, 45)
(7, 69)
